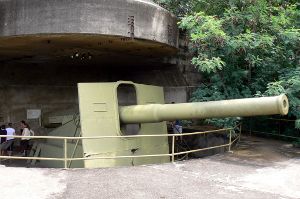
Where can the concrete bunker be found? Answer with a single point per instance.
(47, 47)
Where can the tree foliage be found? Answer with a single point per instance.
(182, 8)
(244, 48)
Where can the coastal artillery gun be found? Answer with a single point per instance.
(57, 38)
(125, 108)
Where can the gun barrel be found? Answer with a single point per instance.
(152, 113)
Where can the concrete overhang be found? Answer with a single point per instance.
(112, 32)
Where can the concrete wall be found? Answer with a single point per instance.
(17, 100)
(53, 89)
(176, 94)
(38, 39)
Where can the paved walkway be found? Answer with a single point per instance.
(258, 168)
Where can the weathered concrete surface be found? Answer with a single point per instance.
(42, 30)
(259, 168)
(40, 41)
(31, 17)
(176, 94)
(53, 89)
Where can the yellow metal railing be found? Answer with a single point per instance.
(278, 133)
(65, 159)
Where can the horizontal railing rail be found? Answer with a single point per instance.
(121, 136)
(66, 159)
(277, 133)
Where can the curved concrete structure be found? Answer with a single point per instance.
(62, 28)
(48, 46)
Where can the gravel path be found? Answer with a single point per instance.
(257, 169)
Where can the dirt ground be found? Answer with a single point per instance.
(257, 168)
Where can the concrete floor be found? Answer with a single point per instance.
(258, 168)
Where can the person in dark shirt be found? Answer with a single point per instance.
(3, 139)
(177, 128)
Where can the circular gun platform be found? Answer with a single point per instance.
(97, 31)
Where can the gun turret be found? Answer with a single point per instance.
(121, 109)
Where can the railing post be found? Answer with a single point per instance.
(241, 125)
(229, 141)
(173, 148)
(65, 153)
(0, 153)
(279, 125)
(250, 127)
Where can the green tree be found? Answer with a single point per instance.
(183, 7)
(244, 48)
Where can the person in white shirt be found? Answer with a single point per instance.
(9, 144)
